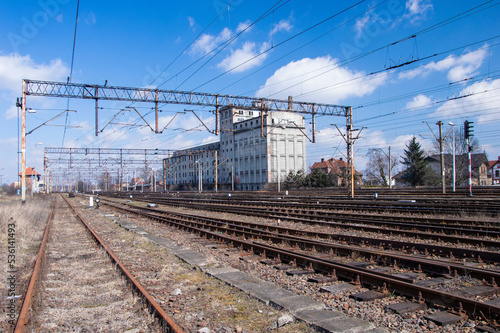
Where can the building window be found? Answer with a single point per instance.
(497, 173)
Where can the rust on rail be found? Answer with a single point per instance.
(23, 315)
(172, 326)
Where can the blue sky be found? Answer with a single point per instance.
(397, 62)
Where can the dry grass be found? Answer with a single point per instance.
(30, 220)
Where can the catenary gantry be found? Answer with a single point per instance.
(160, 96)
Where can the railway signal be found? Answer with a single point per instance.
(468, 129)
(468, 134)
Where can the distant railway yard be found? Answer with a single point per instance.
(412, 261)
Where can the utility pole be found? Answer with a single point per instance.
(443, 180)
(216, 166)
(23, 145)
(454, 153)
(440, 140)
(390, 169)
(349, 140)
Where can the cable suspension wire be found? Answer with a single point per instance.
(232, 39)
(452, 19)
(223, 44)
(298, 48)
(71, 69)
(189, 45)
(390, 68)
(281, 43)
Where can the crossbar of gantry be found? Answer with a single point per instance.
(107, 151)
(147, 95)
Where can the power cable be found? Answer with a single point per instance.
(452, 19)
(191, 43)
(71, 69)
(232, 39)
(281, 43)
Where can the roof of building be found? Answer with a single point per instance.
(476, 159)
(333, 166)
(493, 163)
(30, 172)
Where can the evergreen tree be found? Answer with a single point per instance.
(318, 178)
(416, 166)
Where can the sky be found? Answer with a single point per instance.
(400, 64)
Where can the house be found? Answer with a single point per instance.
(494, 171)
(339, 168)
(479, 168)
(33, 180)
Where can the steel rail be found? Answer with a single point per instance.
(475, 308)
(152, 304)
(304, 207)
(340, 204)
(454, 239)
(248, 229)
(23, 314)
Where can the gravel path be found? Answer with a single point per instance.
(80, 291)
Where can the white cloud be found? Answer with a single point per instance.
(361, 24)
(206, 43)
(458, 67)
(11, 112)
(14, 68)
(323, 76)
(243, 25)
(418, 9)
(482, 99)
(283, 25)
(244, 58)
(419, 102)
(191, 22)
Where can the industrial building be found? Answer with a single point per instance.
(254, 149)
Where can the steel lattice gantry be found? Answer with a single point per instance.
(147, 95)
(91, 161)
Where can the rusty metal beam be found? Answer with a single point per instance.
(129, 94)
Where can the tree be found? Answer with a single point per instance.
(416, 167)
(294, 180)
(318, 178)
(377, 169)
(461, 150)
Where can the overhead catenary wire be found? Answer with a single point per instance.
(71, 68)
(462, 15)
(232, 39)
(189, 45)
(281, 43)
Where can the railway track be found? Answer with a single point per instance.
(421, 207)
(324, 257)
(484, 234)
(78, 287)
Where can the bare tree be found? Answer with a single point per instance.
(461, 150)
(378, 166)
